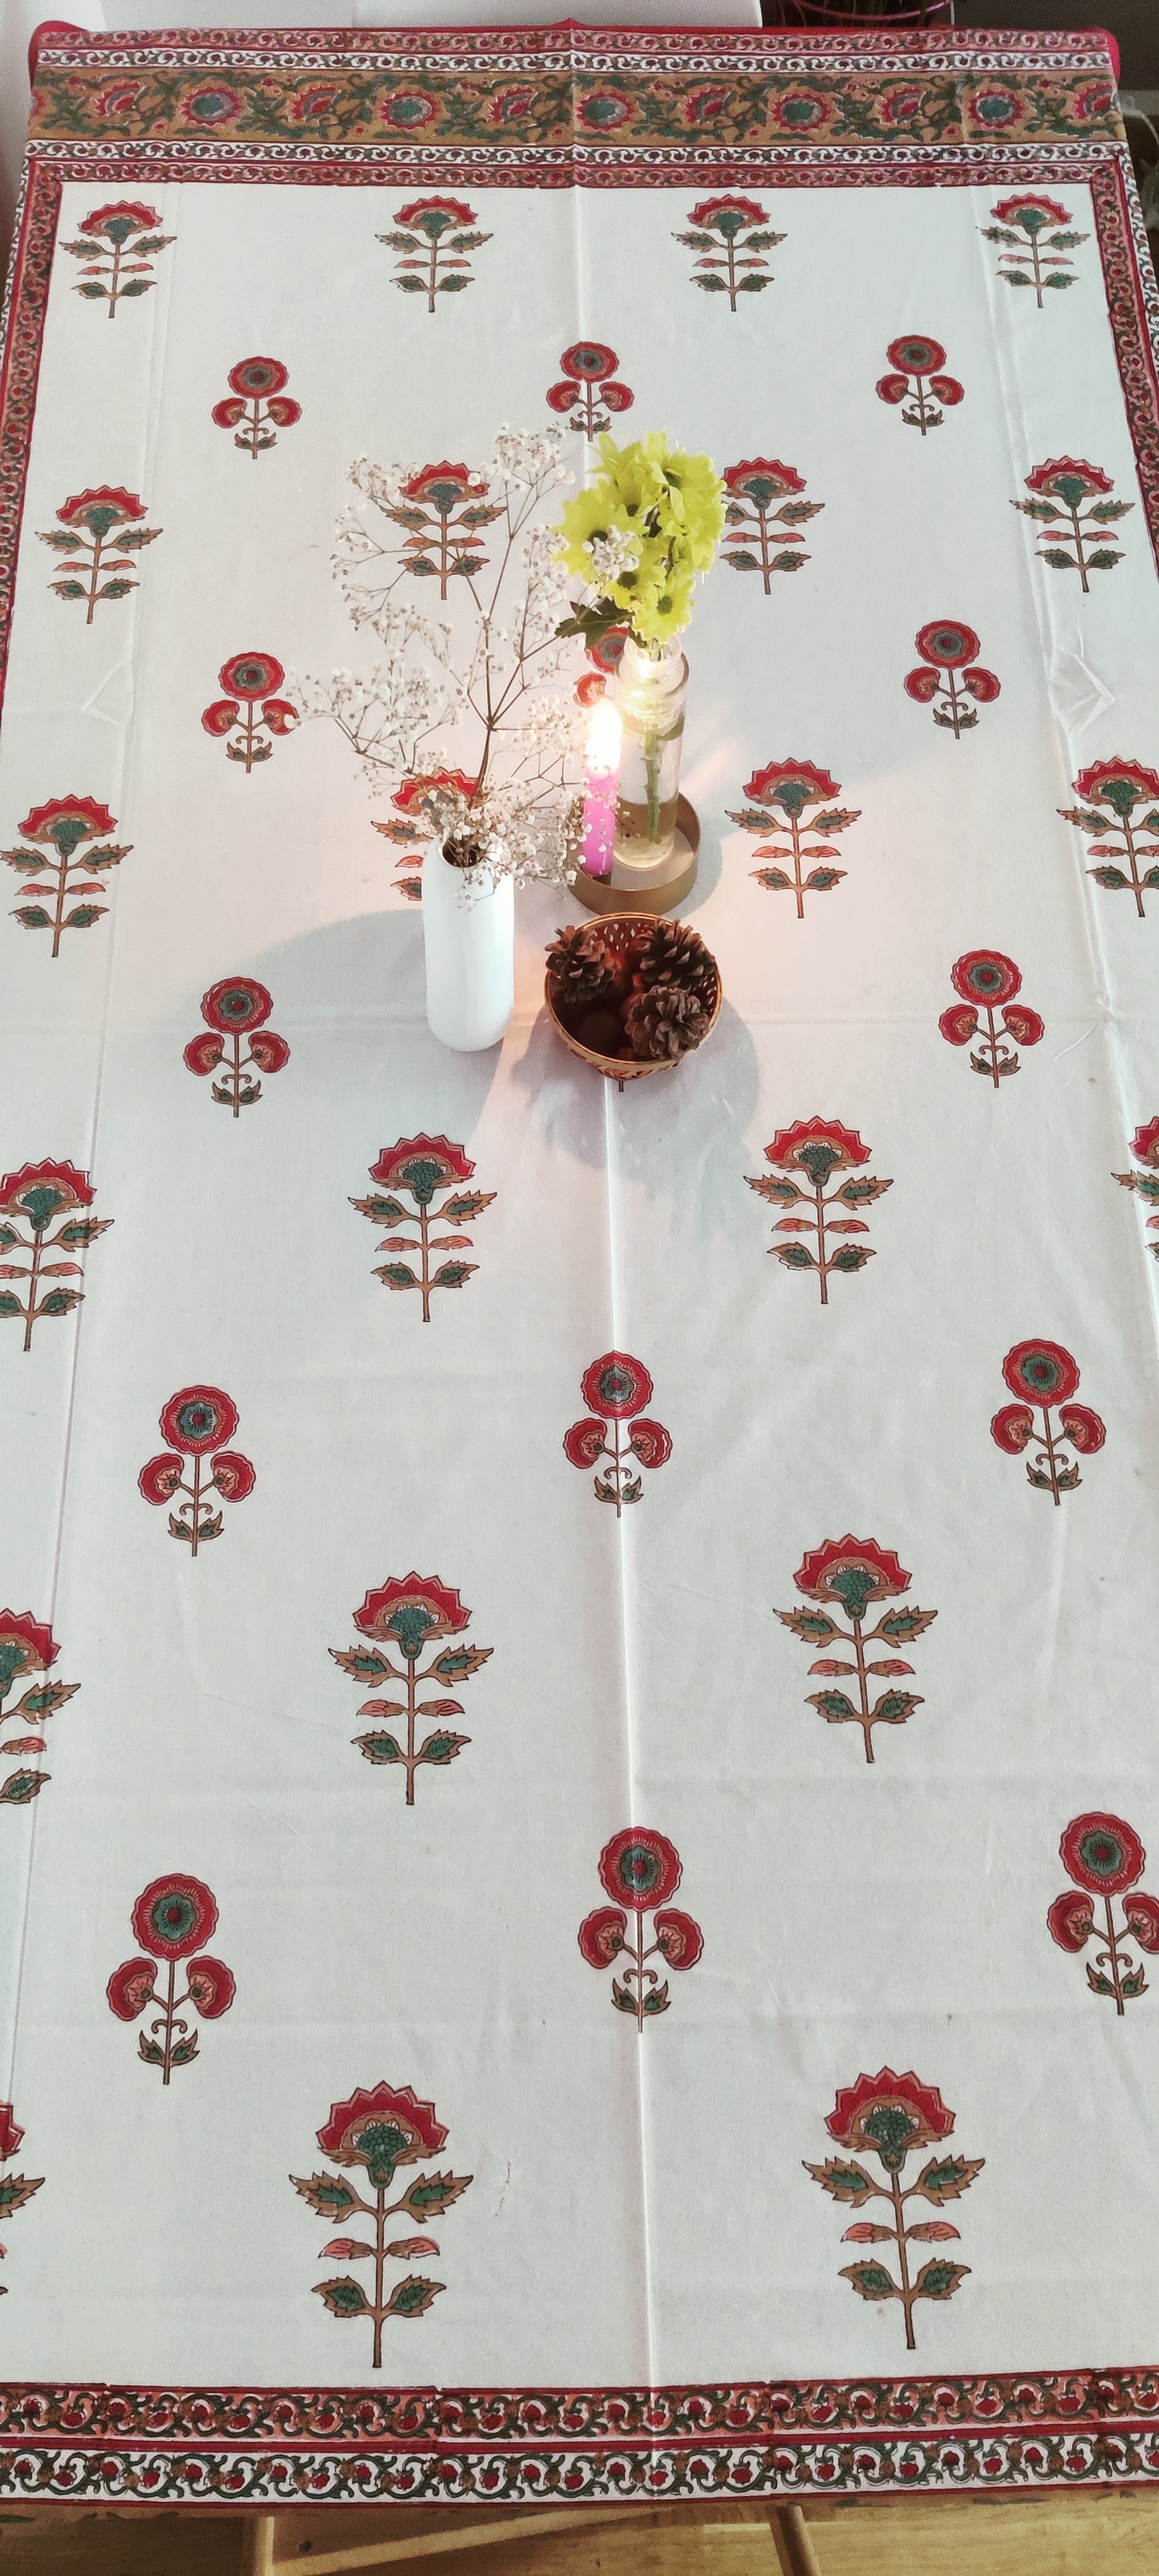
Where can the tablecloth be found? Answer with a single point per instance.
(705, 2044)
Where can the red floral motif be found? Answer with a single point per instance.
(703, 106)
(802, 111)
(27, 1647)
(442, 510)
(948, 645)
(917, 382)
(818, 1147)
(380, 2130)
(10, 2135)
(731, 236)
(508, 105)
(250, 678)
(15, 2188)
(1042, 1375)
(39, 1194)
(753, 486)
(605, 110)
(198, 1420)
(170, 1919)
(1104, 1856)
(1063, 490)
(857, 1575)
(105, 557)
(617, 1387)
(257, 400)
(1119, 785)
(994, 107)
(317, 100)
(1145, 1148)
(422, 1166)
(234, 1010)
(434, 236)
(640, 1870)
(783, 789)
(589, 391)
(212, 106)
(64, 826)
(1034, 249)
(899, 106)
(987, 982)
(887, 2116)
(413, 799)
(114, 104)
(118, 244)
(408, 110)
(409, 1613)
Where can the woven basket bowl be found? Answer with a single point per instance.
(618, 930)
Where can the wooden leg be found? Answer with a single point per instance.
(259, 2544)
(793, 2545)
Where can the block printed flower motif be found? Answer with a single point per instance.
(917, 383)
(27, 1650)
(257, 405)
(434, 236)
(118, 246)
(640, 1869)
(1120, 785)
(1042, 1375)
(100, 530)
(404, 1616)
(988, 982)
(15, 2189)
(856, 1575)
(818, 1147)
(616, 1388)
(1063, 490)
(887, 2116)
(198, 1423)
(1034, 249)
(731, 235)
(422, 1166)
(783, 789)
(948, 645)
(413, 828)
(250, 680)
(380, 2130)
(235, 1012)
(35, 1197)
(67, 869)
(443, 508)
(589, 391)
(1145, 1148)
(171, 1919)
(1105, 1857)
(753, 487)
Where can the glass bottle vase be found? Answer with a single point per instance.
(649, 695)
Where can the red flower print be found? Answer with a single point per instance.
(197, 1420)
(380, 2130)
(127, 216)
(1031, 213)
(114, 105)
(703, 106)
(589, 391)
(117, 245)
(234, 1010)
(104, 556)
(412, 795)
(317, 100)
(1042, 1375)
(753, 487)
(856, 1575)
(257, 400)
(409, 110)
(250, 678)
(64, 864)
(10, 2135)
(434, 236)
(918, 361)
(510, 104)
(17, 2188)
(994, 107)
(1119, 784)
(731, 236)
(216, 106)
(27, 1648)
(239, 1002)
(777, 797)
(1033, 247)
(1145, 1148)
(802, 111)
(423, 1166)
(987, 982)
(818, 1147)
(616, 1387)
(1145, 1143)
(887, 2116)
(410, 1613)
(1104, 1857)
(899, 106)
(37, 1195)
(948, 645)
(604, 110)
(641, 1870)
(170, 1918)
(1094, 102)
(1062, 489)
(442, 511)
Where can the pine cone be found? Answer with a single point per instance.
(665, 1022)
(673, 956)
(578, 965)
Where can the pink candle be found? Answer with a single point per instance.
(601, 786)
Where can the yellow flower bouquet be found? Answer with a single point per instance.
(638, 537)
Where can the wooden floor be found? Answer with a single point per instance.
(1073, 2535)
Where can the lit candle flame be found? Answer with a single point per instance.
(605, 735)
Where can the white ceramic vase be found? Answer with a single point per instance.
(469, 937)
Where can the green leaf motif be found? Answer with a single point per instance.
(453, 1274)
(344, 2298)
(15, 2191)
(752, 285)
(468, 1204)
(796, 1256)
(1103, 559)
(433, 2193)
(457, 1663)
(90, 286)
(947, 2177)
(33, 916)
(870, 2280)
(442, 1748)
(833, 1706)
(21, 1786)
(893, 1708)
(83, 915)
(821, 879)
(777, 883)
(813, 1625)
(844, 2181)
(397, 1274)
(1058, 559)
(412, 2297)
(939, 2280)
(150, 2050)
(1112, 878)
(852, 1256)
(9, 1305)
(712, 285)
(450, 285)
(901, 1626)
(379, 1748)
(1110, 509)
(326, 2195)
(364, 1664)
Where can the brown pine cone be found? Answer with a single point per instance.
(578, 965)
(665, 1022)
(670, 956)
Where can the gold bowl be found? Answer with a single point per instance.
(618, 931)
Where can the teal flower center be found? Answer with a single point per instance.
(638, 1869)
(819, 1160)
(173, 1917)
(15, 1657)
(238, 1005)
(1119, 792)
(985, 980)
(892, 2131)
(412, 1624)
(855, 1586)
(1102, 1854)
(1071, 488)
(41, 1204)
(422, 1178)
(99, 518)
(379, 2145)
(67, 831)
(433, 222)
(1032, 219)
(198, 1421)
(729, 221)
(1042, 1373)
